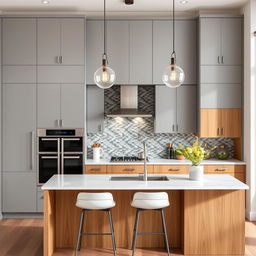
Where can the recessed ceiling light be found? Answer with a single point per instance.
(45, 2)
(184, 1)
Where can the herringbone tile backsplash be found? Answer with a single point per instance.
(124, 136)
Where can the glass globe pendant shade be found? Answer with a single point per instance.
(173, 76)
(104, 77)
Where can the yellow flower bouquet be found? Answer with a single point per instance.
(195, 153)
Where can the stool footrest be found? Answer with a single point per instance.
(96, 234)
(150, 233)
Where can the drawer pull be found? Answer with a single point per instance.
(174, 170)
(95, 169)
(129, 170)
(221, 169)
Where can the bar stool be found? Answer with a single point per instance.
(150, 201)
(99, 202)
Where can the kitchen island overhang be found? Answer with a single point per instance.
(205, 218)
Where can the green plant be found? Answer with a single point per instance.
(195, 153)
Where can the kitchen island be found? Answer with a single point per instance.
(205, 218)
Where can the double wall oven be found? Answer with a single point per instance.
(60, 151)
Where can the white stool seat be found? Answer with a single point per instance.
(95, 201)
(150, 201)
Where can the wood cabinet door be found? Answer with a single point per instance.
(231, 44)
(166, 110)
(94, 48)
(210, 41)
(94, 109)
(231, 122)
(141, 49)
(210, 122)
(186, 109)
(48, 105)
(73, 41)
(48, 41)
(19, 127)
(118, 49)
(72, 105)
(19, 41)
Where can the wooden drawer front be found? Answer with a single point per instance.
(95, 169)
(127, 169)
(171, 169)
(219, 169)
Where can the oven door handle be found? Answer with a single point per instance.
(71, 139)
(71, 157)
(49, 157)
(49, 139)
(32, 150)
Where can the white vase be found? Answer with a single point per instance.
(96, 154)
(196, 173)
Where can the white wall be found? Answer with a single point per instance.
(249, 12)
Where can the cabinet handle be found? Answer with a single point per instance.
(177, 127)
(58, 122)
(222, 131)
(222, 59)
(218, 59)
(173, 127)
(174, 170)
(61, 122)
(129, 170)
(218, 131)
(61, 59)
(95, 169)
(57, 59)
(32, 149)
(221, 169)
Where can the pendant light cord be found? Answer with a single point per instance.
(173, 26)
(104, 27)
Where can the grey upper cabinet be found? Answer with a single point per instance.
(186, 39)
(94, 109)
(72, 105)
(48, 105)
(220, 41)
(19, 41)
(94, 48)
(118, 49)
(186, 109)
(19, 192)
(48, 41)
(176, 109)
(221, 95)
(60, 105)
(165, 113)
(61, 41)
(141, 52)
(19, 126)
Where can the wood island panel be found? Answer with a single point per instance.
(214, 222)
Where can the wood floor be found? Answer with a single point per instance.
(24, 237)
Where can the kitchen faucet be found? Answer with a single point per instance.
(145, 175)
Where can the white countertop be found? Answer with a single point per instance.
(167, 162)
(176, 182)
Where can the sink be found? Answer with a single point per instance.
(138, 178)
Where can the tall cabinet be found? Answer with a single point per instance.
(19, 114)
(220, 76)
(43, 78)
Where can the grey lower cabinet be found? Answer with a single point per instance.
(176, 109)
(19, 192)
(94, 109)
(129, 48)
(61, 41)
(60, 105)
(220, 96)
(186, 39)
(19, 41)
(220, 41)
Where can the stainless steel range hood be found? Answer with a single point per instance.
(129, 103)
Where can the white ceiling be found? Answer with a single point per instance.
(117, 5)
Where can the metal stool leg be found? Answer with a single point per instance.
(79, 235)
(135, 231)
(112, 231)
(165, 232)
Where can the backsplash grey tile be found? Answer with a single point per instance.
(124, 136)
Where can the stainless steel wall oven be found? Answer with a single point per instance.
(60, 151)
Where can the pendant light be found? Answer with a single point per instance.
(104, 76)
(173, 75)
